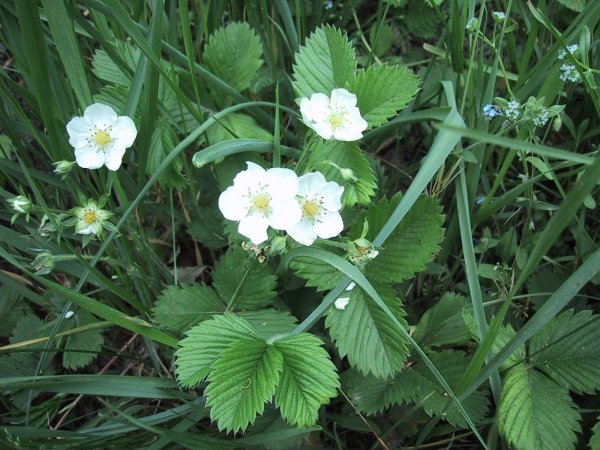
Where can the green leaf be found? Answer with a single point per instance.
(364, 333)
(180, 307)
(566, 350)
(382, 91)
(575, 5)
(326, 61)
(535, 413)
(107, 70)
(372, 395)
(242, 281)
(443, 323)
(595, 440)
(243, 126)
(234, 54)
(88, 343)
(207, 226)
(270, 322)
(317, 273)
(204, 344)
(411, 245)
(326, 155)
(162, 141)
(243, 378)
(308, 380)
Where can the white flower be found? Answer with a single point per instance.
(472, 24)
(513, 110)
(259, 198)
(100, 137)
(342, 302)
(333, 118)
(90, 218)
(320, 201)
(569, 73)
(570, 48)
(499, 16)
(20, 204)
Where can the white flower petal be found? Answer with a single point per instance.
(89, 157)
(80, 131)
(123, 132)
(314, 109)
(303, 232)
(250, 180)
(342, 100)
(351, 286)
(254, 227)
(341, 303)
(113, 157)
(329, 225)
(102, 116)
(311, 185)
(285, 214)
(323, 129)
(232, 205)
(282, 183)
(348, 133)
(332, 196)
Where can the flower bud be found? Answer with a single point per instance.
(63, 167)
(20, 204)
(348, 174)
(43, 263)
(557, 123)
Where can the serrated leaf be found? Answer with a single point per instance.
(326, 61)
(242, 281)
(107, 70)
(412, 244)
(595, 439)
(372, 395)
(180, 307)
(161, 143)
(204, 344)
(243, 378)
(367, 336)
(12, 308)
(207, 226)
(567, 350)
(535, 413)
(345, 155)
(234, 54)
(443, 323)
(88, 344)
(308, 379)
(427, 392)
(317, 273)
(270, 322)
(241, 125)
(382, 91)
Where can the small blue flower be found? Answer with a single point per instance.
(490, 111)
(328, 5)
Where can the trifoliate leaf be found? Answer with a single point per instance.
(234, 54)
(365, 333)
(235, 126)
(327, 61)
(382, 91)
(535, 413)
(270, 322)
(344, 163)
(242, 281)
(308, 380)
(243, 378)
(180, 307)
(372, 395)
(412, 244)
(443, 323)
(205, 343)
(566, 350)
(87, 343)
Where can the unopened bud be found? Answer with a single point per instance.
(63, 167)
(20, 204)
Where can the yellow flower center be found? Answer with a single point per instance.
(311, 209)
(102, 137)
(261, 202)
(335, 120)
(90, 217)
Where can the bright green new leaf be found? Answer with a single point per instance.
(346, 164)
(382, 91)
(308, 380)
(205, 343)
(180, 307)
(242, 281)
(326, 61)
(243, 378)
(567, 351)
(234, 54)
(443, 323)
(535, 413)
(364, 333)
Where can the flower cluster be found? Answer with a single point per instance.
(490, 111)
(335, 117)
(306, 207)
(513, 110)
(472, 24)
(569, 73)
(100, 137)
(499, 16)
(572, 49)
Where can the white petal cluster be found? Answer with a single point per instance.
(100, 137)
(261, 198)
(306, 207)
(335, 117)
